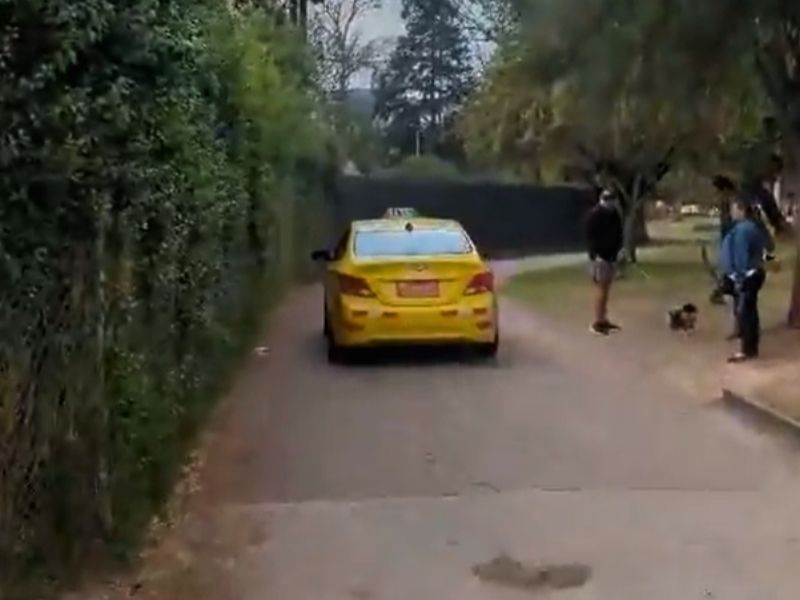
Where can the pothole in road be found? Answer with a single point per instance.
(507, 572)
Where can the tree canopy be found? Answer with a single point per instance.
(606, 89)
(341, 48)
(160, 170)
(620, 92)
(427, 78)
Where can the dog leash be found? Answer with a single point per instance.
(642, 271)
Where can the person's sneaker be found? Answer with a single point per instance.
(611, 327)
(740, 357)
(599, 329)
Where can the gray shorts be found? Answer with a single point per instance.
(603, 272)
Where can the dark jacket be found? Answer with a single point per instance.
(742, 249)
(604, 233)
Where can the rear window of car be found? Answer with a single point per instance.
(420, 242)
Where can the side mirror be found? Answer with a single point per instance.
(321, 256)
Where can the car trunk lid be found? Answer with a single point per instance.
(420, 282)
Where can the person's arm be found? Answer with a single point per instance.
(726, 224)
(592, 234)
(768, 241)
(772, 211)
(761, 219)
(769, 246)
(758, 243)
(726, 255)
(618, 233)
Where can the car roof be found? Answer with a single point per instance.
(401, 224)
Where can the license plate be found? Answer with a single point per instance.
(418, 289)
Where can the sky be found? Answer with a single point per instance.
(385, 22)
(381, 24)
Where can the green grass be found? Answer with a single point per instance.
(666, 276)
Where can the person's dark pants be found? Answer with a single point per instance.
(726, 288)
(747, 317)
(729, 288)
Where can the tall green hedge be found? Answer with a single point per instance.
(161, 175)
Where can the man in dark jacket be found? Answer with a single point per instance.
(604, 236)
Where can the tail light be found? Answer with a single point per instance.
(482, 283)
(354, 286)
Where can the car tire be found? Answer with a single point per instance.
(489, 351)
(326, 324)
(337, 355)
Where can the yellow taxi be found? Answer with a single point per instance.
(407, 281)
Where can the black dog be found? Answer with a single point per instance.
(683, 318)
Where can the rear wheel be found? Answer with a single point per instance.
(326, 324)
(337, 355)
(490, 350)
(334, 352)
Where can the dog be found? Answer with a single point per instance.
(683, 318)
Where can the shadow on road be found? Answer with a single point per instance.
(409, 357)
(418, 356)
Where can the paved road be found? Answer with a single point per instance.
(391, 481)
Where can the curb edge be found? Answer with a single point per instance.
(761, 412)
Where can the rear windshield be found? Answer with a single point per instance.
(424, 242)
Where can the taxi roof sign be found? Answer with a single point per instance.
(401, 213)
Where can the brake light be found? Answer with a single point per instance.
(482, 283)
(354, 286)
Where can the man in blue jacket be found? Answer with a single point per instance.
(742, 263)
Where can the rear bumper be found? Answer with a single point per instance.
(362, 322)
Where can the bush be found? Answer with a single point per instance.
(157, 186)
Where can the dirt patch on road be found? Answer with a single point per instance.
(507, 572)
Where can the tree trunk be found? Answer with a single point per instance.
(631, 236)
(794, 306)
(724, 207)
(642, 234)
(794, 303)
(633, 225)
(792, 190)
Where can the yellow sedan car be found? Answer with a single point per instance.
(415, 281)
